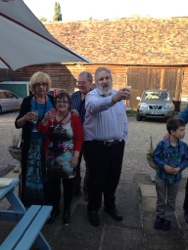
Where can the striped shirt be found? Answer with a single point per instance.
(103, 119)
(184, 115)
(78, 104)
(166, 154)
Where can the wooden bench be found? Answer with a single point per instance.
(27, 231)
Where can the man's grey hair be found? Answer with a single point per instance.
(98, 70)
(87, 74)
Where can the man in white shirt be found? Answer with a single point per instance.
(105, 133)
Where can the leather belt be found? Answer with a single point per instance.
(107, 143)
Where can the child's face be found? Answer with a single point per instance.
(179, 133)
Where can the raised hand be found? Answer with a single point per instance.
(122, 94)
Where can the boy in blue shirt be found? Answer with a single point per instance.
(171, 156)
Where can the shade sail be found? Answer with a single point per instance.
(25, 41)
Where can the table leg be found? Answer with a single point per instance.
(15, 202)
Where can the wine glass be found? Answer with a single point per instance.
(35, 112)
(53, 113)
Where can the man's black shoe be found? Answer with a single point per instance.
(166, 225)
(158, 222)
(114, 213)
(186, 217)
(66, 217)
(94, 218)
(53, 215)
(76, 191)
(86, 198)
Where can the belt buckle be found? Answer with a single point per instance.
(108, 143)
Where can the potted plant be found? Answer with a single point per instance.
(150, 155)
(15, 149)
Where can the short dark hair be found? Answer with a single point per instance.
(174, 124)
(87, 74)
(62, 95)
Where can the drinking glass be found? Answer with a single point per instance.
(35, 112)
(53, 113)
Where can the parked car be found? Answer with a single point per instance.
(155, 103)
(9, 101)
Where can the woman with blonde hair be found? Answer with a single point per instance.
(33, 108)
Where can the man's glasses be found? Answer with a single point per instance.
(62, 102)
(81, 82)
(39, 84)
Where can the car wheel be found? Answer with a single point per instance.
(138, 117)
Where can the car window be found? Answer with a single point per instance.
(3, 95)
(156, 95)
(14, 96)
(163, 96)
(151, 95)
(8, 94)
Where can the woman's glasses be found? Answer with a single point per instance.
(62, 102)
(39, 84)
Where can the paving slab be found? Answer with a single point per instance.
(136, 199)
(176, 238)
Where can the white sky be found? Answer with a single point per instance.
(73, 10)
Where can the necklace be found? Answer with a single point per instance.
(45, 106)
(64, 117)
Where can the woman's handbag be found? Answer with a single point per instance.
(58, 132)
(54, 169)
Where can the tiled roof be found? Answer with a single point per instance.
(145, 41)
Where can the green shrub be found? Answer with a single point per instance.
(131, 112)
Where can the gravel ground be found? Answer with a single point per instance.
(137, 145)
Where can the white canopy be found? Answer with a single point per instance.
(25, 41)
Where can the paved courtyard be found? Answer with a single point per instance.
(136, 198)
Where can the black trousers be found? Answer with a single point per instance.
(185, 204)
(55, 192)
(104, 164)
(77, 179)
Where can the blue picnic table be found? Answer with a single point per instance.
(30, 221)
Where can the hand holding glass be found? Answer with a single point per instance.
(35, 113)
(52, 113)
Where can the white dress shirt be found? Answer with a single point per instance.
(104, 120)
